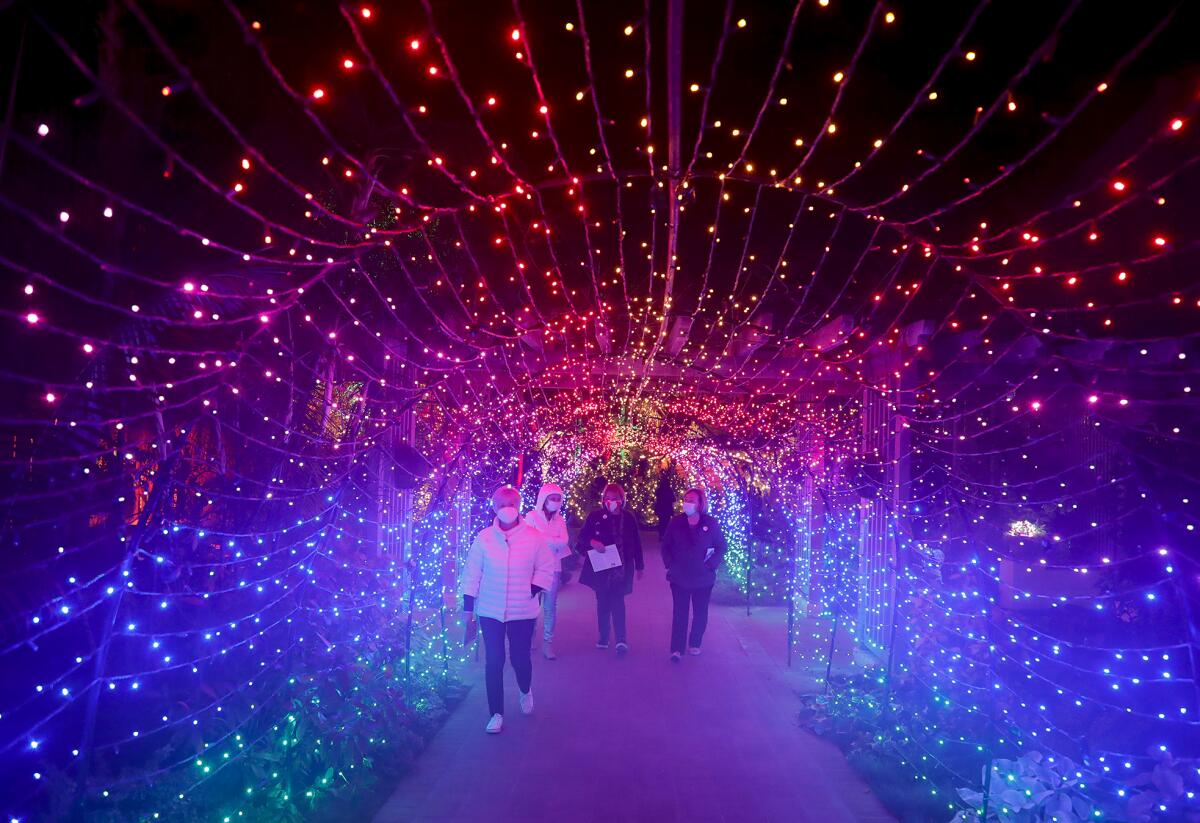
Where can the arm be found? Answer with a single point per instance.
(585, 535)
(668, 546)
(560, 545)
(721, 546)
(543, 567)
(638, 558)
(473, 575)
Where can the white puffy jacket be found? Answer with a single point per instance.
(553, 528)
(501, 567)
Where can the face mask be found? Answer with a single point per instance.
(690, 509)
(508, 515)
(553, 506)
(612, 505)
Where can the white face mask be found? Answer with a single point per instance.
(507, 514)
(690, 509)
(553, 506)
(612, 505)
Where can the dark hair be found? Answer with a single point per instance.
(703, 497)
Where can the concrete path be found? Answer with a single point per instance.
(639, 738)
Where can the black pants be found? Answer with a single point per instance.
(610, 612)
(520, 636)
(698, 600)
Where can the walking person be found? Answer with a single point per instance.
(664, 502)
(547, 517)
(508, 565)
(692, 549)
(611, 528)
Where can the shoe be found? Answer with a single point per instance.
(602, 645)
(496, 724)
(622, 647)
(676, 657)
(548, 652)
(694, 650)
(527, 702)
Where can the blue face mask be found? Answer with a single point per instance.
(690, 509)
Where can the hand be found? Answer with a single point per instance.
(597, 545)
(641, 573)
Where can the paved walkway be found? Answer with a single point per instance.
(639, 738)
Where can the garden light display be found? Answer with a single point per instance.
(908, 288)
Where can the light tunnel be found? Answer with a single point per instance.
(908, 290)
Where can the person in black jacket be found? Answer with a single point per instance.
(608, 526)
(693, 547)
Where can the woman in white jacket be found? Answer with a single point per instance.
(508, 565)
(547, 518)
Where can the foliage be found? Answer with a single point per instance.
(1030, 789)
(1169, 791)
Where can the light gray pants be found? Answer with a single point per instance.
(550, 608)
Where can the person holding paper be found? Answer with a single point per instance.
(693, 547)
(611, 547)
(547, 518)
(508, 565)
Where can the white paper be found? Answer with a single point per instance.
(709, 553)
(610, 558)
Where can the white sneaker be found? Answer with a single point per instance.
(548, 651)
(496, 724)
(527, 702)
(694, 650)
(622, 648)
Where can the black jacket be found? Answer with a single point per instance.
(621, 529)
(684, 548)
